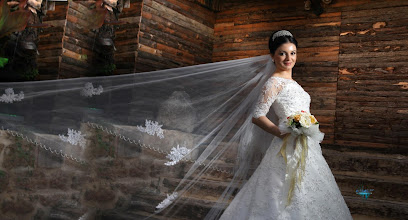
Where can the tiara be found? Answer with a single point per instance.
(281, 33)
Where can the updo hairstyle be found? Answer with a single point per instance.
(275, 44)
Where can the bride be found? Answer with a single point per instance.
(268, 193)
(222, 117)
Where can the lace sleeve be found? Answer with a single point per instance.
(270, 91)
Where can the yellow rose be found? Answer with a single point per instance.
(313, 119)
(297, 118)
(305, 122)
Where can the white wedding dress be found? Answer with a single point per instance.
(264, 195)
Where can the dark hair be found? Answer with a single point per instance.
(274, 44)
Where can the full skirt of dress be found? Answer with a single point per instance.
(264, 195)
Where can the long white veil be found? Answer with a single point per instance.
(193, 122)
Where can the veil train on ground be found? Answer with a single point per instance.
(194, 122)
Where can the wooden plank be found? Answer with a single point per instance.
(192, 10)
(178, 18)
(125, 48)
(54, 24)
(128, 57)
(76, 49)
(50, 53)
(150, 50)
(361, 144)
(67, 70)
(358, 5)
(156, 22)
(133, 11)
(85, 43)
(248, 23)
(58, 14)
(47, 60)
(172, 41)
(371, 15)
(72, 58)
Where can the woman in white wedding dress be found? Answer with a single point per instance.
(265, 194)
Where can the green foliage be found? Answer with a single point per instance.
(108, 69)
(84, 57)
(23, 154)
(3, 62)
(30, 74)
(110, 150)
(296, 123)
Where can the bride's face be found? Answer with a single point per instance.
(285, 57)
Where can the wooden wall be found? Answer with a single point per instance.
(174, 33)
(372, 91)
(243, 30)
(50, 39)
(67, 47)
(352, 60)
(156, 34)
(77, 42)
(126, 39)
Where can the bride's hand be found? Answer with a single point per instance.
(279, 134)
(282, 136)
(264, 123)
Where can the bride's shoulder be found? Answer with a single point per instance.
(275, 83)
(277, 80)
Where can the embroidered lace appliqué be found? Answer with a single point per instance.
(74, 138)
(270, 91)
(10, 97)
(152, 128)
(176, 154)
(84, 216)
(89, 90)
(167, 201)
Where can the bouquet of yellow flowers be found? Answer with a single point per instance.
(303, 127)
(301, 122)
(301, 119)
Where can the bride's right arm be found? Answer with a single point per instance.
(267, 125)
(270, 92)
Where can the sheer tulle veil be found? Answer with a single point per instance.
(197, 120)
(237, 144)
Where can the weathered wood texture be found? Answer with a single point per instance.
(126, 38)
(78, 42)
(50, 39)
(242, 30)
(215, 5)
(174, 33)
(156, 34)
(372, 91)
(351, 59)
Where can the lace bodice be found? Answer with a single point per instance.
(285, 96)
